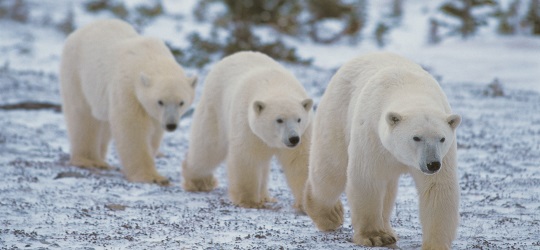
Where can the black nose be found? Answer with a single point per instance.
(171, 127)
(294, 140)
(434, 166)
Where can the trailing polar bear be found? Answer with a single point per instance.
(116, 82)
(251, 109)
(380, 117)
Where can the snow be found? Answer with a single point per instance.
(45, 203)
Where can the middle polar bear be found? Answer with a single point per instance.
(251, 109)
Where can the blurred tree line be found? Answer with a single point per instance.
(513, 17)
(234, 28)
(271, 26)
(266, 25)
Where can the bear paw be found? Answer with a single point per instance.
(329, 219)
(163, 181)
(374, 239)
(155, 179)
(435, 247)
(299, 207)
(206, 184)
(86, 163)
(269, 199)
(326, 218)
(248, 204)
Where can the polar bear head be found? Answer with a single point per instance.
(166, 98)
(419, 140)
(280, 123)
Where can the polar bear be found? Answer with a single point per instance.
(251, 109)
(382, 116)
(116, 82)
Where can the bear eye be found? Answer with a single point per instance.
(416, 138)
(279, 120)
(181, 103)
(160, 102)
(299, 120)
(443, 139)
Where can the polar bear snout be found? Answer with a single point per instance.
(170, 117)
(171, 127)
(431, 157)
(290, 135)
(293, 141)
(431, 167)
(434, 166)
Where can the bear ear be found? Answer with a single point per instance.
(258, 106)
(453, 121)
(192, 80)
(145, 80)
(393, 118)
(308, 104)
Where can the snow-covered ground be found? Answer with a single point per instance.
(45, 203)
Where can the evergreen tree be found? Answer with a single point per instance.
(352, 17)
(533, 17)
(233, 28)
(462, 10)
(16, 10)
(508, 19)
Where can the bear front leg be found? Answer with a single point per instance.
(195, 181)
(439, 207)
(135, 150)
(157, 136)
(367, 192)
(246, 172)
(366, 198)
(207, 149)
(295, 166)
(87, 136)
(326, 181)
(265, 195)
(324, 208)
(388, 206)
(104, 139)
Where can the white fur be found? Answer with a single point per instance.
(116, 82)
(363, 141)
(244, 96)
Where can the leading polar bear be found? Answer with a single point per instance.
(114, 81)
(382, 116)
(251, 108)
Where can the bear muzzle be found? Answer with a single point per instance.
(431, 168)
(171, 127)
(170, 117)
(434, 166)
(292, 141)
